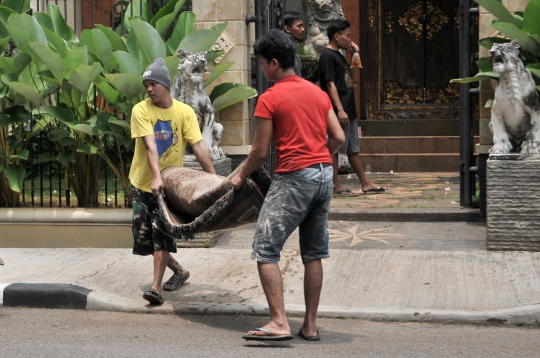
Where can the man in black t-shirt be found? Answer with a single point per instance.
(336, 80)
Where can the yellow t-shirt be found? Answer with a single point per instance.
(172, 128)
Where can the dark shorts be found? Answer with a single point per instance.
(148, 230)
(352, 140)
(297, 199)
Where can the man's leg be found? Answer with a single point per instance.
(335, 177)
(161, 258)
(272, 283)
(313, 279)
(357, 166)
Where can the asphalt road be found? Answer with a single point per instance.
(66, 333)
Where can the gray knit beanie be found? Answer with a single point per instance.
(157, 71)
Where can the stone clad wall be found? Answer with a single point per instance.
(236, 119)
(513, 199)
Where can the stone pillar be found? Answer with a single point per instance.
(236, 120)
(513, 203)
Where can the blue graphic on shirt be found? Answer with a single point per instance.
(164, 136)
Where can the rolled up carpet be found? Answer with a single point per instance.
(197, 201)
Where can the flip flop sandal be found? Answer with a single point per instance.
(311, 338)
(153, 297)
(175, 282)
(381, 190)
(345, 193)
(269, 336)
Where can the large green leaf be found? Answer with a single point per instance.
(97, 43)
(128, 63)
(217, 71)
(500, 11)
(184, 26)
(14, 65)
(110, 94)
(148, 41)
(84, 128)
(4, 16)
(531, 17)
(51, 59)
(514, 33)
(88, 149)
(19, 6)
(25, 29)
(136, 9)
(485, 64)
(162, 25)
(84, 76)
(27, 92)
(115, 40)
(123, 124)
(61, 114)
(61, 27)
(56, 42)
(44, 20)
(168, 8)
(14, 114)
(15, 176)
(535, 69)
(202, 39)
(172, 63)
(132, 48)
(483, 76)
(127, 84)
(76, 57)
(65, 158)
(212, 55)
(488, 42)
(235, 94)
(23, 154)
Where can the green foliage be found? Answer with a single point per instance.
(82, 90)
(523, 27)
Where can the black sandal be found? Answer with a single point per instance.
(175, 282)
(153, 297)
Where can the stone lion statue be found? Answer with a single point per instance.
(319, 13)
(188, 88)
(515, 115)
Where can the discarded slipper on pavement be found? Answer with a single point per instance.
(153, 297)
(311, 338)
(346, 193)
(381, 190)
(175, 282)
(269, 336)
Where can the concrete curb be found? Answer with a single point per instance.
(408, 215)
(72, 297)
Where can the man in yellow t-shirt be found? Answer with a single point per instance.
(161, 127)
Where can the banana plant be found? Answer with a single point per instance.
(521, 26)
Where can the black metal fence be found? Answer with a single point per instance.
(268, 15)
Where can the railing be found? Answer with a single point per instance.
(268, 15)
(466, 64)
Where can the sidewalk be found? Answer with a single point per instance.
(415, 271)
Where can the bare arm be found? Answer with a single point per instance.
(153, 160)
(203, 156)
(258, 153)
(334, 97)
(336, 137)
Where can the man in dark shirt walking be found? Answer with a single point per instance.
(294, 26)
(336, 80)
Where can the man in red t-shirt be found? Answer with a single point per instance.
(306, 131)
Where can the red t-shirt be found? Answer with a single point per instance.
(299, 111)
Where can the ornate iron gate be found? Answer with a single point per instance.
(268, 15)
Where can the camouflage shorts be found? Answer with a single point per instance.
(148, 230)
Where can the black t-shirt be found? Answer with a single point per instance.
(334, 67)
